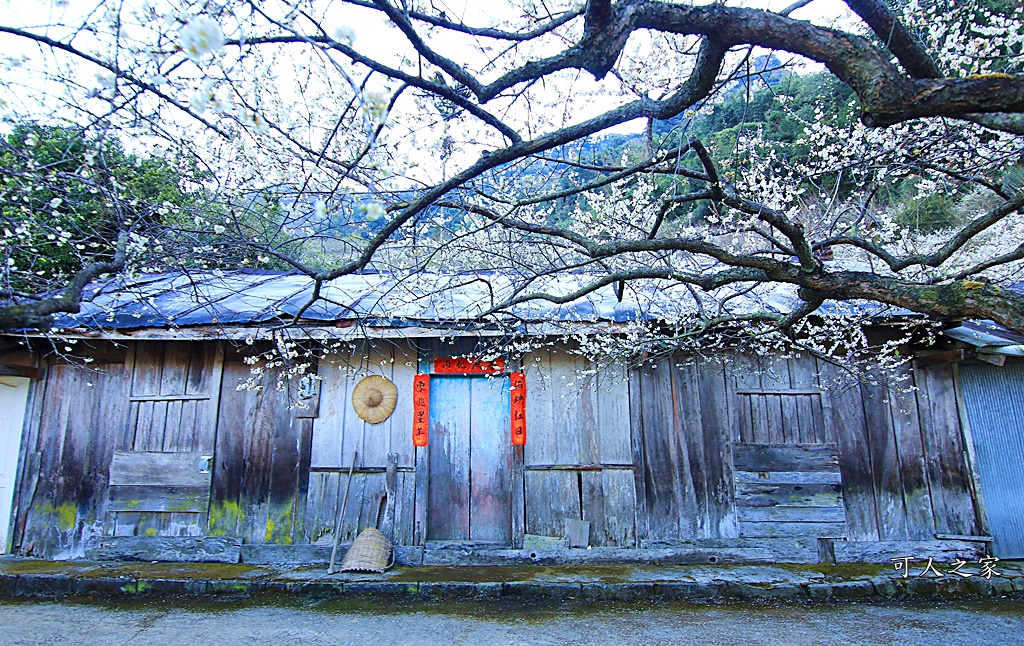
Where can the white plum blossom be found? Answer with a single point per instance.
(375, 107)
(375, 211)
(253, 119)
(344, 34)
(106, 80)
(201, 36)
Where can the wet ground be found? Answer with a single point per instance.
(381, 623)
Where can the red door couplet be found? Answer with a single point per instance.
(420, 409)
(421, 398)
(518, 383)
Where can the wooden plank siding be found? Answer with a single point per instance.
(684, 451)
(169, 440)
(901, 474)
(338, 434)
(671, 451)
(843, 407)
(578, 458)
(262, 468)
(949, 478)
(81, 423)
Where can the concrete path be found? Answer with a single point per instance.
(974, 623)
(30, 578)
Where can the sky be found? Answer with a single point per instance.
(375, 39)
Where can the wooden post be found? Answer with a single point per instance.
(419, 532)
(636, 436)
(518, 497)
(387, 526)
(341, 515)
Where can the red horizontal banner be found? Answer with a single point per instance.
(448, 366)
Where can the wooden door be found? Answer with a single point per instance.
(160, 478)
(13, 397)
(470, 485)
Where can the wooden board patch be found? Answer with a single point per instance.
(159, 499)
(151, 468)
(785, 457)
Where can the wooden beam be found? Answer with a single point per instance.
(12, 370)
(518, 496)
(779, 391)
(990, 357)
(961, 537)
(176, 549)
(422, 476)
(576, 467)
(168, 398)
(358, 470)
(935, 358)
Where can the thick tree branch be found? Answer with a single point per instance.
(943, 253)
(910, 53)
(39, 313)
(962, 299)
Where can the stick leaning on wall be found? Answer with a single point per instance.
(344, 504)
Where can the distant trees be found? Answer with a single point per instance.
(66, 198)
(76, 206)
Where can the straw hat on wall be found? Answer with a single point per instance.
(374, 399)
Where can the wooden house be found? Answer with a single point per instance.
(152, 450)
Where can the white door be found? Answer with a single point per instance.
(13, 397)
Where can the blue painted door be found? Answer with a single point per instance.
(994, 398)
(470, 487)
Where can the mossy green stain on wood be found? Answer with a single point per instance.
(65, 515)
(279, 526)
(224, 518)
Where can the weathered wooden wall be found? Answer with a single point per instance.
(116, 450)
(262, 460)
(72, 436)
(900, 451)
(578, 454)
(339, 434)
(670, 452)
(158, 483)
(681, 416)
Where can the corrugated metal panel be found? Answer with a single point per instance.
(995, 410)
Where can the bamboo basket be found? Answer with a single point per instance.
(371, 551)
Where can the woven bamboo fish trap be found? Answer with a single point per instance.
(370, 552)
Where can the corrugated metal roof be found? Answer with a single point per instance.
(247, 297)
(984, 334)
